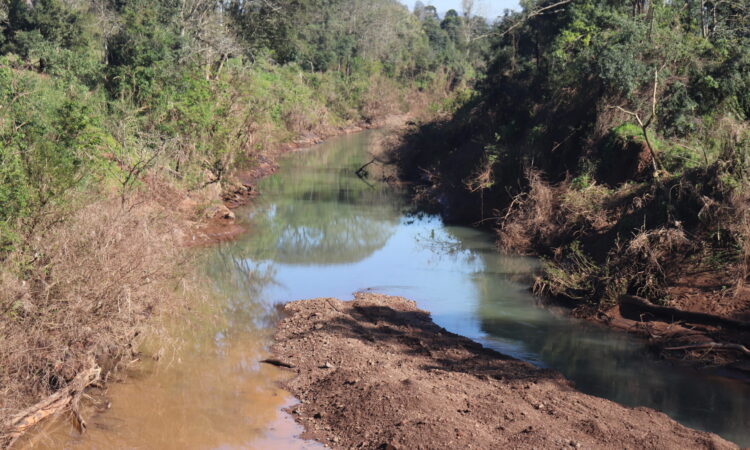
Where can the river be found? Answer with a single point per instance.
(317, 230)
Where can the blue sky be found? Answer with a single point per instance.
(488, 8)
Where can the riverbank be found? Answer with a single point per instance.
(677, 242)
(376, 372)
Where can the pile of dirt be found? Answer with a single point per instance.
(376, 372)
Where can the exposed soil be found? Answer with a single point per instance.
(711, 291)
(376, 372)
(693, 288)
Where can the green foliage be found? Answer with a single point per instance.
(635, 113)
(142, 54)
(47, 137)
(47, 23)
(52, 38)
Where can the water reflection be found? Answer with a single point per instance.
(313, 213)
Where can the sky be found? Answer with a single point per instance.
(488, 8)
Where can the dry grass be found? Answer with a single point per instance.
(382, 99)
(740, 204)
(586, 209)
(83, 294)
(532, 217)
(641, 261)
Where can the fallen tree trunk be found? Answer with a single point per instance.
(631, 306)
(712, 346)
(24, 420)
(277, 363)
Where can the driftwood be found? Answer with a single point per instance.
(362, 171)
(277, 363)
(712, 346)
(55, 403)
(631, 305)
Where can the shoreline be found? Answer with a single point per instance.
(697, 344)
(376, 372)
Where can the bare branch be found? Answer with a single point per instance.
(523, 20)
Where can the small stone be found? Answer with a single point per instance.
(318, 326)
(327, 365)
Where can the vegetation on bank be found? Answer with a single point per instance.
(120, 118)
(612, 138)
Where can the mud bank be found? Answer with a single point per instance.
(376, 372)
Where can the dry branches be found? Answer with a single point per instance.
(80, 304)
(647, 123)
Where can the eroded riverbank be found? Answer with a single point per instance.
(376, 372)
(317, 230)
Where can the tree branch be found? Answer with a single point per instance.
(523, 20)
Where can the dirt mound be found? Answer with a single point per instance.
(378, 373)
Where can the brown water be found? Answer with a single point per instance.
(210, 393)
(319, 231)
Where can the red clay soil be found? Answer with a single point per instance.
(696, 289)
(711, 291)
(376, 372)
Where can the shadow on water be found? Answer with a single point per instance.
(319, 231)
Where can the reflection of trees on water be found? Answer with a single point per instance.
(238, 282)
(317, 211)
(314, 211)
(323, 232)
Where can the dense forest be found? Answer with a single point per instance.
(612, 138)
(122, 122)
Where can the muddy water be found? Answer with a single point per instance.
(320, 231)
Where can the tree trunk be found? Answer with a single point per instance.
(632, 306)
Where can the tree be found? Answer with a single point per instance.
(35, 29)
